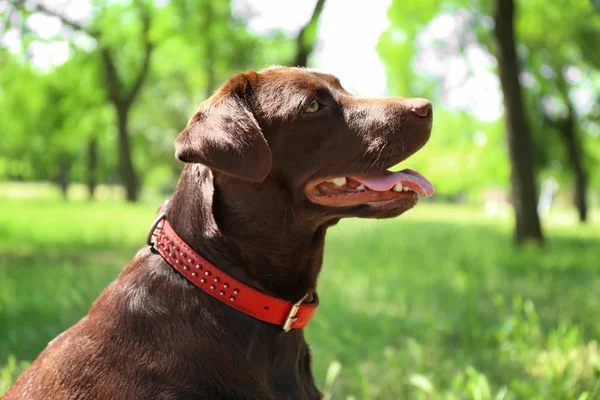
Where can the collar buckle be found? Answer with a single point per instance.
(159, 218)
(291, 317)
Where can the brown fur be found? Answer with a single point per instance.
(240, 202)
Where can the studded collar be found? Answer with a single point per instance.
(222, 286)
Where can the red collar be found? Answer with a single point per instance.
(223, 287)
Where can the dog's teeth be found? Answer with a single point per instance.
(397, 187)
(360, 187)
(406, 189)
(338, 181)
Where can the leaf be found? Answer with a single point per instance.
(422, 382)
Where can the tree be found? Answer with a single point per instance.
(518, 133)
(121, 93)
(199, 44)
(122, 97)
(570, 45)
(568, 129)
(307, 37)
(566, 125)
(415, 18)
(42, 141)
(562, 62)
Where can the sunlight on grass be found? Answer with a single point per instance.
(436, 304)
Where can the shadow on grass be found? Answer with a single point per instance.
(398, 298)
(455, 294)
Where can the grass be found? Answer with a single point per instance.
(436, 304)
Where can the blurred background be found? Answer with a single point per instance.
(491, 290)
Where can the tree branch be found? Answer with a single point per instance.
(302, 48)
(148, 47)
(45, 10)
(114, 84)
(111, 77)
(110, 71)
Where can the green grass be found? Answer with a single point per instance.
(436, 304)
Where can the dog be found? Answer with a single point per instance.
(214, 307)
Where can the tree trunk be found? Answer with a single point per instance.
(569, 134)
(121, 95)
(126, 170)
(92, 166)
(307, 37)
(63, 177)
(517, 129)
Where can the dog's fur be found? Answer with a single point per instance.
(241, 203)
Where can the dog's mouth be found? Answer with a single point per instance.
(373, 189)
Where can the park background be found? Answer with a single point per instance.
(491, 290)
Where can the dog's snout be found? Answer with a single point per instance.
(421, 107)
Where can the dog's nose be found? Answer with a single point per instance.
(421, 107)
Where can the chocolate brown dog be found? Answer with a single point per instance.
(273, 159)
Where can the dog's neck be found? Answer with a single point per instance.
(260, 243)
(254, 234)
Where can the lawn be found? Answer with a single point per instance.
(436, 304)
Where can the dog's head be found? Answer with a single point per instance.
(324, 149)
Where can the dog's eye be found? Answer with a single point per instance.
(313, 107)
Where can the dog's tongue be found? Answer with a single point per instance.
(386, 180)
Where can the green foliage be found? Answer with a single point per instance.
(48, 116)
(10, 372)
(434, 305)
(549, 54)
(465, 154)
(551, 37)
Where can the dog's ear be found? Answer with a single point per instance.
(225, 136)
